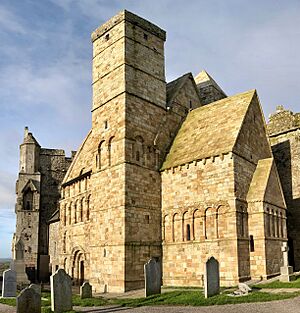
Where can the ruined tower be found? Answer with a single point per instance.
(40, 174)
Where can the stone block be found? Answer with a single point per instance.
(211, 278)
(9, 285)
(29, 300)
(61, 291)
(86, 291)
(152, 272)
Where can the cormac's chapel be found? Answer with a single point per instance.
(179, 172)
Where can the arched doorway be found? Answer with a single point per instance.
(79, 267)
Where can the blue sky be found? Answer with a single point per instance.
(45, 65)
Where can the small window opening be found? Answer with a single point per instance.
(145, 36)
(251, 244)
(104, 252)
(106, 37)
(105, 125)
(28, 206)
(147, 219)
(188, 232)
(137, 156)
(191, 105)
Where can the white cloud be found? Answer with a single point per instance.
(11, 22)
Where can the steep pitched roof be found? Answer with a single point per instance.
(209, 130)
(204, 79)
(174, 86)
(54, 217)
(82, 159)
(265, 184)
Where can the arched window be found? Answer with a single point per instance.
(81, 210)
(19, 250)
(188, 232)
(110, 151)
(177, 228)
(76, 212)
(64, 213)
(28, 200)
(197, 226)
(70, 213)
(88, 203)
(100, 156)
(65, 242)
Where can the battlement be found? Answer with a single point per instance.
(132, 18)
(283, 121)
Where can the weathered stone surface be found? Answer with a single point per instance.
(152, 270)
(86, 291)
(19, 267)
(211, 278)
(9, 284)
(40, 174)
(36, 288)
(29, 300)
(244, 288)
(284, 133)
(61, 291)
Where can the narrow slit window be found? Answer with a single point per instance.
(251, 243)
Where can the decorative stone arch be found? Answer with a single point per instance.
(70, 213)
(176, 228)
(222, 221)
(100, 155)
(88, 207)
(111, 151)
(197, 225)
(210, 220)
(186, 227)
(29, 196)
(79, 265)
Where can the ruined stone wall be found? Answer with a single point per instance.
(199, 221)
(284, 133)
(53, 166)
(54, 241)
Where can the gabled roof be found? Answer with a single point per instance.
(54, 217)
(209, 130)
(265, 184)
(83, 153)
(203, 79)
(174, 86)
(31, 185)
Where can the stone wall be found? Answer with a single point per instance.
(284, 133)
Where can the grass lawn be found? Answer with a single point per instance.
(178, 297)
(279, 284)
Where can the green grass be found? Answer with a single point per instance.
(177, 297)
(8, 301)
(196, 298)
(279, 284)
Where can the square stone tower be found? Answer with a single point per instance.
(129, 101)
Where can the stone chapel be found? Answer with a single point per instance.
(179, 172)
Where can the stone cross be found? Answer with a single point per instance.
(29, 301)
(9, 285)
(86, 291)
(211, 278)
(61, 291)
(152, 273)
(285, 250)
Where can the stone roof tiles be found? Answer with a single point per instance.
(210, 130)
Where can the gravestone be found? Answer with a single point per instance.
(29, 301)
(152, 273)
(9, 284)
(286, 271)
(61, 291)
(37, 288)
(211, 278)
(86, 291)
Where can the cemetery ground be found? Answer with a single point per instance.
(181, 297)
